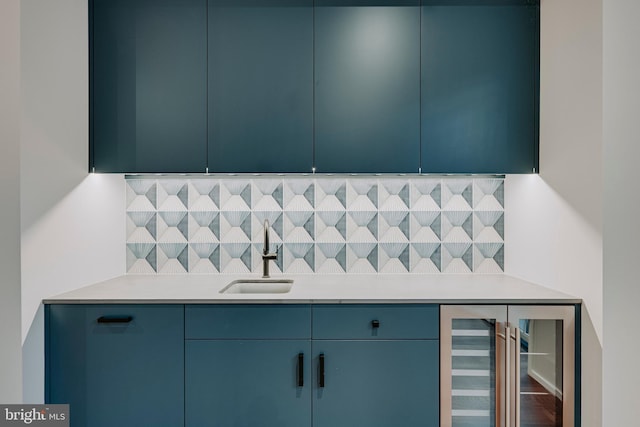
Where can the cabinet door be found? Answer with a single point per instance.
(367, 86)
(148, 85)
(480, 86)
(248, 383)
(260, 85)
(376, 383)
(117, 365)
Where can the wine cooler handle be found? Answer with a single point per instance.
(517, 374)
(507, 382)
(500, 369)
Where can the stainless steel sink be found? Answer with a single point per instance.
(258, 286)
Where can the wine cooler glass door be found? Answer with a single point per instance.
(473, 352)
(543, 368)
(507, 366)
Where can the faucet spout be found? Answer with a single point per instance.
(266, 256)
(266, 237)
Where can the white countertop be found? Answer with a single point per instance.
(378, 288)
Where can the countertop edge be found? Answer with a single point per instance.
(528, 301)
(319, 289)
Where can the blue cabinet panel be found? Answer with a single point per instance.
(377, 384)
(367, 86)
(148, 85)
(260, 85)
(393, 321)
(250, 321)
(117, 374)
(345, 86)
(480, 86)
(247, 383)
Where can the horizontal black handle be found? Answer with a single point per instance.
(300, 369)
(321, 369)
(115, 319)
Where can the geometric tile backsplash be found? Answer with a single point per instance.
(205, 225)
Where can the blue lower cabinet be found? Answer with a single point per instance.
(116, 365)
(240, 365)
(376, 383)
(248, 383)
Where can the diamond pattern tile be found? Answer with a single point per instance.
(362, 257)
(326, 225)
(457, 194)
(204, 257)
(426, 257)
(488, 257)
(331, 258)
(457, 258)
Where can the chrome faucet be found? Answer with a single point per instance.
(266, 256)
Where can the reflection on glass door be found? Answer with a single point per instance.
(543, 373)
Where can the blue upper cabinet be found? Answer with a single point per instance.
(148, 85)
(342, 86)
(480, 86)
(367, 86)
(260, 85)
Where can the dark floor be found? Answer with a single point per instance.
(544, 410)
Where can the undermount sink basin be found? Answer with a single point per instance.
(258, 286)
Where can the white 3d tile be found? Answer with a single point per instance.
(326, 225)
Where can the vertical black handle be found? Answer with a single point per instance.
(321, 370)
(375, 324)
(300, 380)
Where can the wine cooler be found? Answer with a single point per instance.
(507, 366)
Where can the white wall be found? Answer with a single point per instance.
(10, 378)
(554, 220)
(73, 223)
(621, 212)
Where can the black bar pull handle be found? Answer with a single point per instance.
(321, 370)
(300, 380)
(115, 319)
(375, 324)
